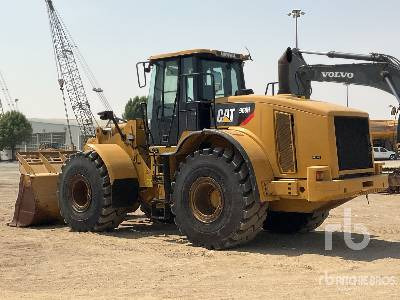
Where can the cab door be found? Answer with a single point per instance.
(194, 112)
(162, 102)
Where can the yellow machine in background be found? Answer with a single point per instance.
(215, 158)
(384, 133)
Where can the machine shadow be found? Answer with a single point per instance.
(314, 243)
(270, 243)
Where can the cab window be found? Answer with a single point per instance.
(156, 91)
(171, 73)
(227, 77)
(189, 81)
(163, 89)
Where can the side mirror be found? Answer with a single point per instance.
(142, 79)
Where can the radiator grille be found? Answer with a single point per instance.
(353, 143)
(285, 142)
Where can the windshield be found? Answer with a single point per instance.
(227, 76)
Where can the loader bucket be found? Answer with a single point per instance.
(37, 202)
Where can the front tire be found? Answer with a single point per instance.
(392, 157)
(214, 202)
(84, 192)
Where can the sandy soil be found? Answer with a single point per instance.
(145, 260)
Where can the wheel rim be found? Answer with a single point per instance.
(206, 199)
(81, 193)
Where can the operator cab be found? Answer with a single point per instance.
(183, 89)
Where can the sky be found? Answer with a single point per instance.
(114, 35)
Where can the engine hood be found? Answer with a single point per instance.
(290, 101)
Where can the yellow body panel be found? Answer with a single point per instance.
(312, 119)
(314, 134)
(125, 159)
(117, 161)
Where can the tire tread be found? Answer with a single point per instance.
(254, 212)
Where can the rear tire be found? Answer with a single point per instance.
(214, 202)
(290, 222)
(84, 192)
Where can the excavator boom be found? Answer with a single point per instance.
(381, 72)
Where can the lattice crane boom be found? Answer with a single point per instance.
(69, 78)
(1, 108)
(6, 95)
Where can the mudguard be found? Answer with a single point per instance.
(123, 176)
(246, 144)
(117, 161)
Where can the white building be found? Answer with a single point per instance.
(53, 133)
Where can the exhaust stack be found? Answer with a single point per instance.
(284, 72)
(289, 64)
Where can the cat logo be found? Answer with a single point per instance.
(225, 115)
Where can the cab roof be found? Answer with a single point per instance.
(208, 52)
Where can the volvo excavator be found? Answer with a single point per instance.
(209, 155)
(377, 70)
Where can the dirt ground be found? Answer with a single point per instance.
(143, 260)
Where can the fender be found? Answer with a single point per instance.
(259, 167)
(117, 161)
(122, 173)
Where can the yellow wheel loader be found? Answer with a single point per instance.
(221, 162)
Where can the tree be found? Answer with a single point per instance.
(133, 109)
(14, 130)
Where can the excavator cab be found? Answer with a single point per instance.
(183, 89)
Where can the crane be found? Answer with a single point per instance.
(67, 57)
(1, 108)
(6, 94)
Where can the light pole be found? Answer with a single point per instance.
(347, 94)
(16, 104)
(296, 13)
